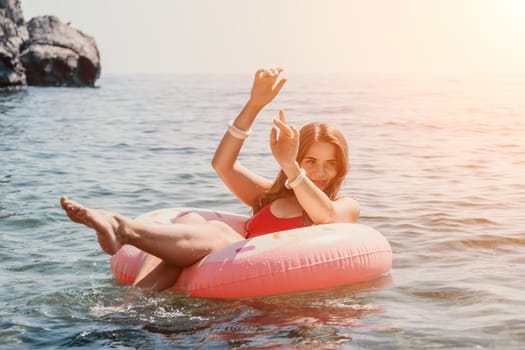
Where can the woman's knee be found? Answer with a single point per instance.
(189, 217)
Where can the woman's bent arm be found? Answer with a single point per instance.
(319, 207)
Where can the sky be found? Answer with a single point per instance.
(416, 37)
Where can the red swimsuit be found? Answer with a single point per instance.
(265, 222)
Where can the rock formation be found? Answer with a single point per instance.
(13, 34)
(57, 54)
(44, 52)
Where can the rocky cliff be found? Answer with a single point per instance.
(44, 51)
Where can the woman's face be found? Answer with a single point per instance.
(320, 163)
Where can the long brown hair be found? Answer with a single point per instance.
(309, 134)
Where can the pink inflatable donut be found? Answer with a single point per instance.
(308, 258)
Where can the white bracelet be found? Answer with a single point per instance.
(238, 133)
(296, 181)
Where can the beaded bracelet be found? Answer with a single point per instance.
(296, 181)
(238, 133)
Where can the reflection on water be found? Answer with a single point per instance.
(11, 99)
(322, 318)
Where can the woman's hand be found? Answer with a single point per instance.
(285, 143)
(266, 85)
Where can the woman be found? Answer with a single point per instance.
(313, 162)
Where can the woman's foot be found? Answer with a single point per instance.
(103, 222)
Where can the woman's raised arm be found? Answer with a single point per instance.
(242, 182)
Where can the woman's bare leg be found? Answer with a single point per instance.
(155, 274)
(179, 244)
(170, 247)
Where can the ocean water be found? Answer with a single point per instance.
(438, 166)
